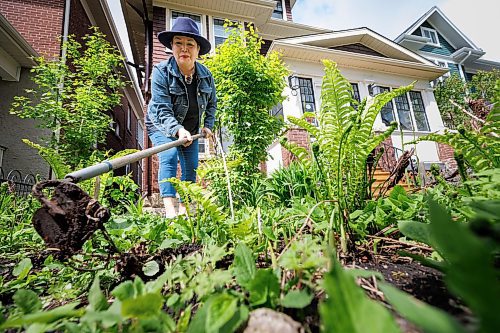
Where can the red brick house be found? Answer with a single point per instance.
(34, 28)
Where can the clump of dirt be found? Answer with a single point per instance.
(69, 218)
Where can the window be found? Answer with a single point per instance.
(387, 112)
(307, 95)
(129, 117)
(277, 111)
(355, 95)
(220, 33)
(203, 146)
(404, 112)
(419, 111)
(355, 92)
(409, 109)
(431, 34)
(140, 136)
(278, 10)
(196, 18)
(116, 127)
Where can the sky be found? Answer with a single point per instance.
(479, 20)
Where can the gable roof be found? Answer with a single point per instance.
(393, 58)
(364, 36)
(445, 27)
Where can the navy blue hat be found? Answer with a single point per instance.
(184, 26)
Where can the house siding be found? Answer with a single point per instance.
(358, 48)
(19, 156)
(444, 50)
(159, 25)
(40, 22)
(453, 69)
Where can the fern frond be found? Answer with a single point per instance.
(52, 157)
(300, 152)
(193, 192)
(373, 142)
(482, 152)
(304, 124)
(336, 97)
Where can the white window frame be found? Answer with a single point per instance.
(431, 31)
(412, 112)
(205, 143)
(212, 28)
(170, 21)
(284, 16)
(129, 117)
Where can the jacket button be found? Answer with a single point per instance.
(202, 106)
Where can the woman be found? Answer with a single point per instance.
(182, 92)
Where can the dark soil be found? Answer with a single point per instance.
(424, 283)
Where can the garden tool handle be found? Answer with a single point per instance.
(108, 165)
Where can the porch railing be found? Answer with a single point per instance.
(388, 158)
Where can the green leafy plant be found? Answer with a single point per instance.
(345, 138)
(348, 309)
(248, 86)
(460, 101)
(464, 252)
(71, 98)
(480, 149)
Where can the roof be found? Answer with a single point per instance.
(395, 60)
(15, 51)
(443, 24)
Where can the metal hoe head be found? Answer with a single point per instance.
(69, 218)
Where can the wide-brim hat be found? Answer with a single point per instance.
(184, 26)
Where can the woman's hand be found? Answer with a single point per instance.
(207, 132)
(182, 133)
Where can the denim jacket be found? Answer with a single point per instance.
(169, 100)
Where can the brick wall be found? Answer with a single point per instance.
(288, 10)
(79, 23)
(445, 154)
(299, 137)
(40, 22)
(388, 159)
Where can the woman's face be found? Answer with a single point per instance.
(185, 51)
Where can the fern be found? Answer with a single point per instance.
(480, 149)
(52, 157)
(344, 139)
(300, 152)
(193, 192)
(303, 123)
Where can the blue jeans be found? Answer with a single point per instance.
(188, 156)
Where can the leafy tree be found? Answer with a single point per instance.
(71, 97)
(480, 149)
(248, 86)
(453, 95)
